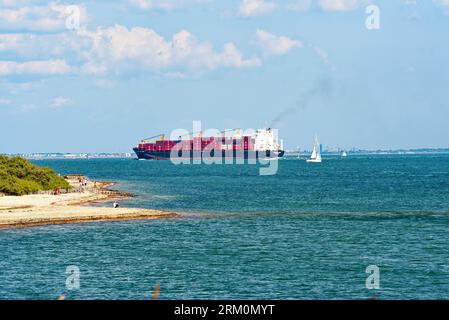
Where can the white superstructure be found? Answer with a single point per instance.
(266, 140)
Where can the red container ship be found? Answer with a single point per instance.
(261, 144)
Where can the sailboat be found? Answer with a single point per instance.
(344, 154)
(316, 154)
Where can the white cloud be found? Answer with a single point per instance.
(164, 4)
(249, 8)
(38, 18)
(12, 42)
(141, 4)
(442, 2)
(59, 102)
(150, 4)
(4, 101)
(275, 45)
(300, 5)
(25, 108)
(339, 5)
(118, 46)
(29, 46)
(116, 49)
(328, 5)
(94, 68)
(43, 67)
(13, 3)
(175, 75)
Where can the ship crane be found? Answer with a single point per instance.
(201, 133)
(146, 140)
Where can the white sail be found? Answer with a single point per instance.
(316, 154)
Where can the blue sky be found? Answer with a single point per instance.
(136, 68)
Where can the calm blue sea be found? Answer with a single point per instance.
(308, 232)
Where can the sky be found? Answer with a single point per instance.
(98, 76)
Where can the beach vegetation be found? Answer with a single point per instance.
(19, 177)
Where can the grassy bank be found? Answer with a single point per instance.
(19, 177)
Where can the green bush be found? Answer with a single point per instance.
(18, 177)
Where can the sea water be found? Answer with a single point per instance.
(308, 232)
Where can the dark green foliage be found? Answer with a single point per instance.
(19, 177)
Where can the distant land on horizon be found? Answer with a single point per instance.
(105, 155)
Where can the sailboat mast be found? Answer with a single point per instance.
(316, 153)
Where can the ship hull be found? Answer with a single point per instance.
(199, 155)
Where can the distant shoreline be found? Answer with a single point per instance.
(49, 209)
(288, 152)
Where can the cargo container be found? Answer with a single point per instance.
(261, 144)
